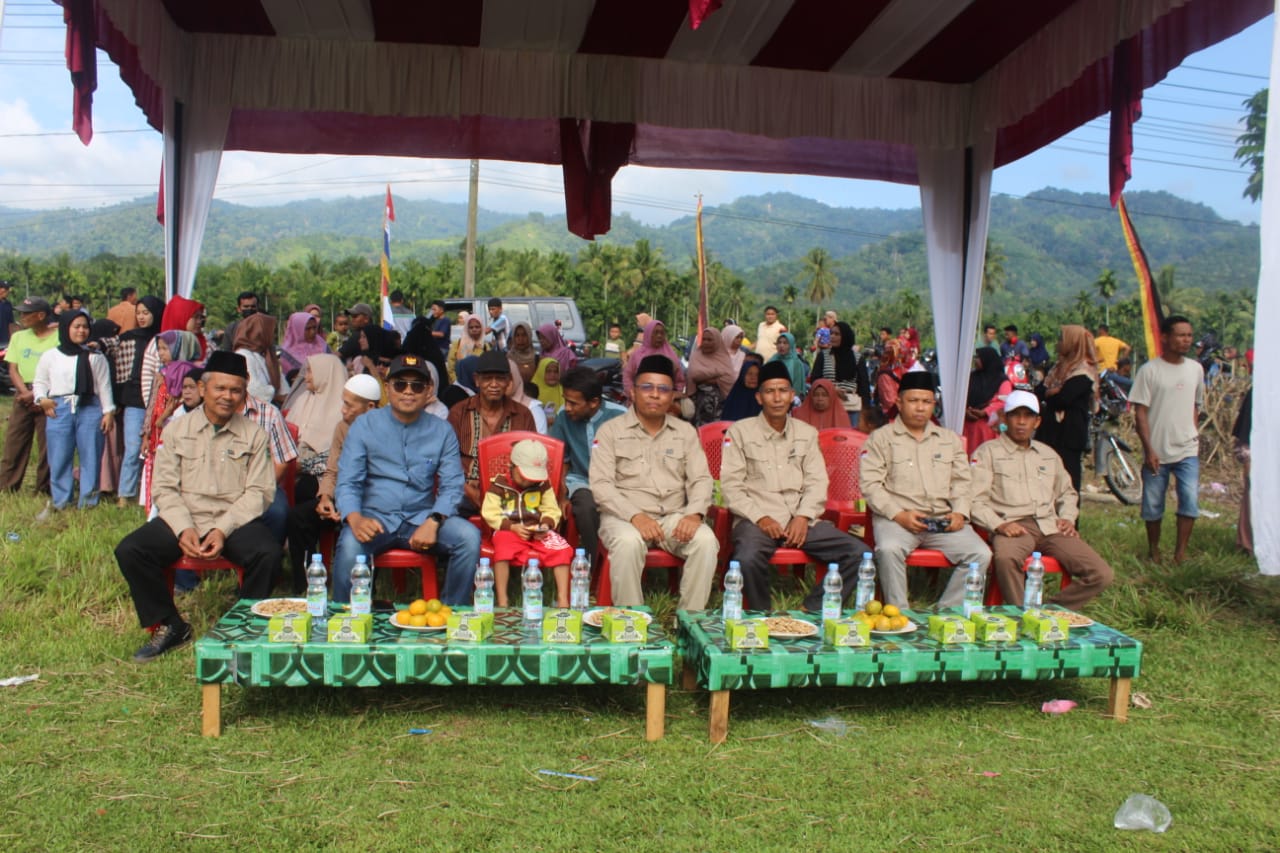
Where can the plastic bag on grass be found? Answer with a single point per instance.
(1143, 812)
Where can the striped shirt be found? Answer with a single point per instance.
(283, 448)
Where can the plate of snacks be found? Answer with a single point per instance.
(595, 618)
(269, 607)
(788, 628)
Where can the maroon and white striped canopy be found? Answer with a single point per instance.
(845, 88)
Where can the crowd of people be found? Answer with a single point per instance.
(242, 443)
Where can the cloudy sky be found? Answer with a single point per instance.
(1184, 144)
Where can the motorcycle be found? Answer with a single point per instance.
(1112, 456)
(609, 372)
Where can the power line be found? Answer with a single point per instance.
(1223, 71)
(1147, 160)
(96, 132)
(1189, 104)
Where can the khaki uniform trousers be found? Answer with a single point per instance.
(1089, 573)
(627, 552)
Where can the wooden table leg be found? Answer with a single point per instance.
(1118, 700)
(655, 711)
(719, 726)
(690, 677)
(211, 702)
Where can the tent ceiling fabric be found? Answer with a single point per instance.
(806, 86)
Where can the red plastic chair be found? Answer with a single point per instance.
(214, 565)
(400, 560)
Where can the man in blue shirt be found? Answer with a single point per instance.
(399, 483)
(585, 411)
(441, 328)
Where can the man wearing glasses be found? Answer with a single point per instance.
(489, 412)
(652, 485)
(399, 484)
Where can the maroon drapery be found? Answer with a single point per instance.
(82, 62)
(1126, 108)
(591, 152)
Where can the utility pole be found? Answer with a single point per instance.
(469, 271)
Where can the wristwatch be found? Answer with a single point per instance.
(437, 518)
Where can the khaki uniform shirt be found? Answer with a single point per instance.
(206, 478)
(930, 475)
(764, 472)
(1012, 483)
(633, 472)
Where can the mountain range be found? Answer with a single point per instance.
(1053, 240)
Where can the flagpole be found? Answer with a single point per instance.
(703, 315)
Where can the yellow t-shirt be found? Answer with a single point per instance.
(1108, 349)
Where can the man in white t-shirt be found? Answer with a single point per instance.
(1167, 396)
(767, 333)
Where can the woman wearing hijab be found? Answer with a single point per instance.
(821, 408)
(888, 375)
(785, 346)
(104, 337)
(522, 353)
(741, 402)
(516, 391)
(434, 405)
(654, 342)
(470, 342)
(711, 377)
(1069, 394)
(844, 368)
(988, 386)
(186, 315)
(128, 389)
(315, 408)
(73, 387)
(550, 394)
(733, 336)
(256, 341)
(302, 339)
(555, 346)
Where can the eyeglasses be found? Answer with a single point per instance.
(416, 386)
(649, 388)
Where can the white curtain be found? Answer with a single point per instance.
(1264, 492)
(955, 195)
(193, 138)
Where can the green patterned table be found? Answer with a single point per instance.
(236, 651)
(1097, 652)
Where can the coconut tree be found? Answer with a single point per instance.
(1252, 142)
(818, 279)
(1107, 284)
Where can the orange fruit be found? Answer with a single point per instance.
(899, 622)
(874, 607)
(403, 616)
(418, 607)
(444, 611)
(419, 620)
(434, 605)
(434, 620)
(883, 623)
(890, 610)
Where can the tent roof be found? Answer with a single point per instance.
(844, 88)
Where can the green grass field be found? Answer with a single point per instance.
(103, 754)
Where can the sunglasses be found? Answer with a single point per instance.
(417, 386)
(649, 388)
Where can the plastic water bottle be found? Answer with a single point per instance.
(866, 581)
(317, 588)
(832, 593)
(484, 587)
(361, 587)
(579, 580)
(532, 592)
(1034, 590)
(974, 583)
(732, 606)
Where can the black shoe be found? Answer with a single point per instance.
(165, 639)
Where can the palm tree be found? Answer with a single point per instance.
(1253, 142)
(789, 296)
(523, 274)
(1106, 285)
(820, 282)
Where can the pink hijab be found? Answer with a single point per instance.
(295, 339)
(729, 334)
(647, 348)
(717, 367)
(559, 350)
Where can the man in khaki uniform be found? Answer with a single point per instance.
(213, 480)
(915, 475)
(774, 481)
(1024, 496)
(652, 486)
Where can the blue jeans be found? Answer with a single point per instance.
(67, 433)
(1186, 473)
(458, 540)
(131, 465)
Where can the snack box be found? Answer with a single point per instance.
(846, 632)
(345, 628)
(1045, 626)
(289, 628)
(467, 626)
(562, 626)
(747, 634)
(619, 627)
(994, 628)
(951, 629)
